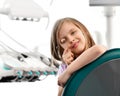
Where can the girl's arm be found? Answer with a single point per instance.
(60, 90)
(85, 58)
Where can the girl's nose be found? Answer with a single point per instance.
(71, 39)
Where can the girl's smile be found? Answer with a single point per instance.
(75, 45)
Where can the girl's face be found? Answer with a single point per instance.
(71, 37)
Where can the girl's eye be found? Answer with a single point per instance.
(62, 41)
(72, 33)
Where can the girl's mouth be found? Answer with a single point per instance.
(75, 45)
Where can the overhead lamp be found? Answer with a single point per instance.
(26, 10)
(104, 2)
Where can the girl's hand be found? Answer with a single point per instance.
(67, 56)
(62, 79)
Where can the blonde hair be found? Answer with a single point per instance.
(56, 49)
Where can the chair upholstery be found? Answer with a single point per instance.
(99, 78)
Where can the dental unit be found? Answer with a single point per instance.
(23, 66)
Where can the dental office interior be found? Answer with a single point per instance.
(28, 33)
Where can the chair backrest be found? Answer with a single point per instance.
(99, 78)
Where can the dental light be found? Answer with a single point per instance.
(104, 2)
(109, 12)
(26, 10)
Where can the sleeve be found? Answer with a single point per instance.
(62, 67)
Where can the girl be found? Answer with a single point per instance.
(72, 44)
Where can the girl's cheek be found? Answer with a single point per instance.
(64, 46)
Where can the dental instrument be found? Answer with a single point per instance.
(28, 68)
(29, 52)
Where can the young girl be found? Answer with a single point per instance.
(72, 44)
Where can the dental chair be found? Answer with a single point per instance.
(99, 78)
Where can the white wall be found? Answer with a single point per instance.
(34, 34)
